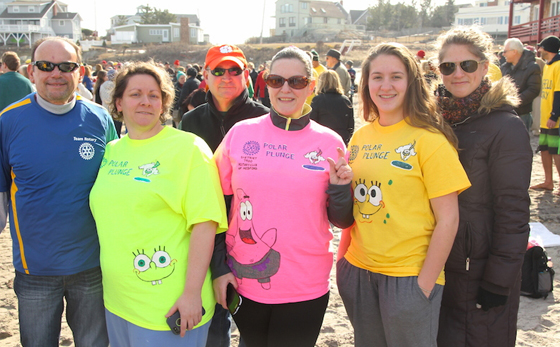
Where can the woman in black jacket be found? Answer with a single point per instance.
(331, 107)
(483, 271)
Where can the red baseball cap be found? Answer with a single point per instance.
(176, 62)
(218, 54)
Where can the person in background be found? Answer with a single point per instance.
(52, 144)
(101, 78)
(550, 111)
(407, 179)
(195, 99)
(98, 67)
(13, 86)
(86, 81)
(181, 78)
(261, 92)
(228, 102)
(334, 63)
(191, 84)
(155, 261)
(483, 271)
(252, 72)
(331, 107)
(352, 74)
(105, 91)
(280, 266)
(317, 66)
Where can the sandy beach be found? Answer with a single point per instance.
(538, 323)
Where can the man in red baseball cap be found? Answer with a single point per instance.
(225, 72)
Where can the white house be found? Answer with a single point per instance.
(493, 16)
(26, 21)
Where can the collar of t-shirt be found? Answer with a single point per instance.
(291, 124)
(56, 109)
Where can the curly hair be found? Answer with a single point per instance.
(477, 42)
(420, 108)
(143, 68)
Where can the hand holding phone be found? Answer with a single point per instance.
(233, 299)
(174, 321)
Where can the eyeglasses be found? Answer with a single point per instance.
(220, 71)
(469, 66)
(47, 66)
(296, 82)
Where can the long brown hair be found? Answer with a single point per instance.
(420, 108)
(100, 80)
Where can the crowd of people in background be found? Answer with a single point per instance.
(431, 194)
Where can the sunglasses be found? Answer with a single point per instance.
(47, 66)
(296, 82)
(469, 66)
(220, 71)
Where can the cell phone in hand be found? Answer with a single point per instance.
(233, 300)
(174, 321)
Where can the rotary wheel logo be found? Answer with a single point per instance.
(86, 151)
(251, 148)
(354, 152)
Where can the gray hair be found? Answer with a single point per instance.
(515, 44)
(295, 53)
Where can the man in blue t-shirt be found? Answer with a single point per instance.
(51, 146)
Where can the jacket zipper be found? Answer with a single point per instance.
(222, 128)
(468, 246)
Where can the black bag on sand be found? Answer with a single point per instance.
(537, 278)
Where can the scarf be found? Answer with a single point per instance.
(456, 110)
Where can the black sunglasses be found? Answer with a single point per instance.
(220, 71)
(296, 82)
(47, 66)
(469, 66)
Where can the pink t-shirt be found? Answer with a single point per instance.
(278, 238)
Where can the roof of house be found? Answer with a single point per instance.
(326, 9)
(358, 15)
(6, 15)
(66, 15)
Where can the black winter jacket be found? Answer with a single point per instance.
(335, 112)
(527, 77)
(209, 123)
(493, 230)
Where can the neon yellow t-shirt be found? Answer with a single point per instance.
(145, 201)
(397, 170)
(310, 97)
(550, 84)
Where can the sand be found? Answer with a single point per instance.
(538, 323)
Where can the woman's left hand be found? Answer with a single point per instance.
(341, 173)
(190, 308)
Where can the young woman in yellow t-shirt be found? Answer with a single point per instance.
(407, 179)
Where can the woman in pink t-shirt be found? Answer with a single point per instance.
(285, 189)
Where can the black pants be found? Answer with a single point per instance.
(295, 324)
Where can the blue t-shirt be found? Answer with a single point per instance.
(48, 164)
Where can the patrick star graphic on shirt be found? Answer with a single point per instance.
(250, 253)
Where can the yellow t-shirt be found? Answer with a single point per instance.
(147, 197)
(550, 84)
(397, 170)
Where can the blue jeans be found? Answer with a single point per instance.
(40, 306)
(122, 333)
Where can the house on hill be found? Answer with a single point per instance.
(299, 18)
(126, 29)
(22, 22)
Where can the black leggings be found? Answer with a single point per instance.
(295, 324)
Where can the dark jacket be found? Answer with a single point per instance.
(190, 85)
(335, 112)
(208, 123)
(527, 77)
(493, 230)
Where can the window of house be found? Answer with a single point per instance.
(61, 23)
(193, 32)
(292, 21)
(177, 32)
(155, 32)
(313, 9)
(281, 22)
(304, 5)
(290, 8)
(339, 21)
(483, 4)
(507, 3)
(460, 21)
(325, 20)
(323, 10)
(31, 9)
(468, 21)
(306, 20)
(517, 20)
(15, 8)
(482, 20)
